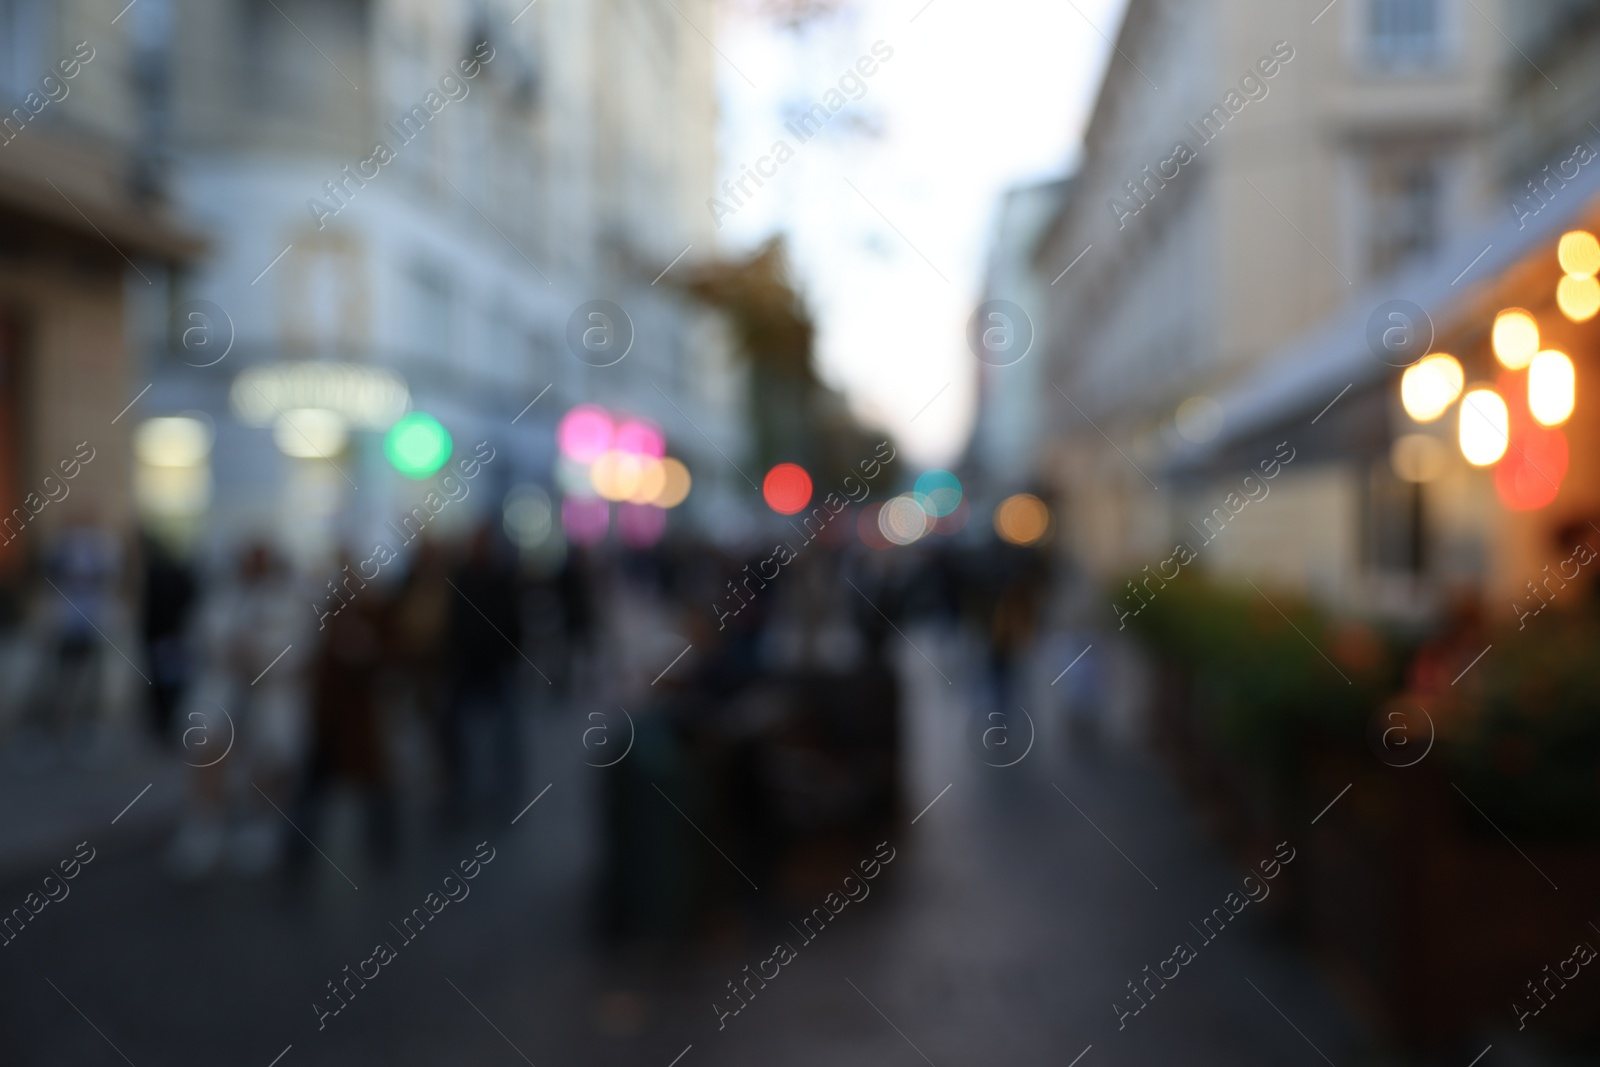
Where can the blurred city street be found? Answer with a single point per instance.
(682, 532)
(980, 940)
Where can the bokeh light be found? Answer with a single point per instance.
(1578, 297)
(1552, 387)
(1485, 427)
(1530, 475)
(1428, 388)
(1516, 338)
(572, 478)
(939, 492)
(321, 433)
(1579, 253)
(417, 445)
(675, 484)
(1021, 519)
(584, 433)
(786, 488)
(616, 475)
(172, 441)
(585, 521)
(903, 520)
(640, 438)
(527, 515)
(1532, 479)
(652, 481)
(173, 475)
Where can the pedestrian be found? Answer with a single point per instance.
(170, 592)
(485, 646)
(348, 739)
(82, 567)
(244, 727)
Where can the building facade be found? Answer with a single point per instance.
(1436, 522)
(1003, 456)
(84, 236)
(427, 196)
(1286, 162)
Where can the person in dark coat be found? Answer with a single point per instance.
(170, 593)
(485, 646)
(348, 743)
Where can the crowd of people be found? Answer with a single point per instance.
(309, 700)
(776, 730)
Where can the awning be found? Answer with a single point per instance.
(1295, 382)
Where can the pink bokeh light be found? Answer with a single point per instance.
(585, 521)
(584, 433)
(640, 438)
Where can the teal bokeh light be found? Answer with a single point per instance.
(417, 445)
(939, 492)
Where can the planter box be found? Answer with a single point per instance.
(1431, 922)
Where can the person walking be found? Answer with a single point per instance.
(244, 727)
(485, 644)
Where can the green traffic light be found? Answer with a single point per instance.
(417, 445)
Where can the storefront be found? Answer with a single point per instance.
(1444, 422)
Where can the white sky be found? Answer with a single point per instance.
(979, 95)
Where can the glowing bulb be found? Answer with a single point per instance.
(640, 438)
(172, 441)
(1578, 297)
(1428, 388)
(311, 433)
(616, 474)
(939, 492)
(675, 487)
(1552, 388)
(652, 480)
(787, 488)
(585, 432)
(1579, 253)
(1021, 519)
(416, 445)
(1485, 427)
(1516, 338)
(903, 520)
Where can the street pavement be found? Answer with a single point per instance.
(1015, 911)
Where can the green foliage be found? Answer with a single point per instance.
(1528, 749)
(1265, 682)
(1520, 734)
(795, 417)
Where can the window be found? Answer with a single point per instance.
(1396, 540)
(1404, 32)
(1407, 201)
